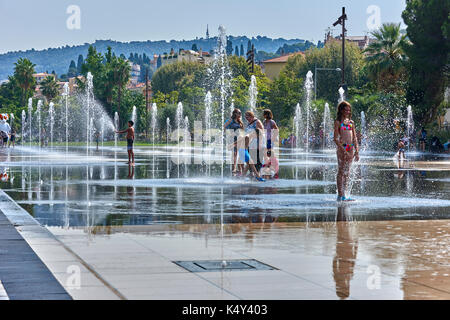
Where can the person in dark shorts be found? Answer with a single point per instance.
(12, 139)
(5, 139)
(423, 139)
(130, 141)
(97, 137)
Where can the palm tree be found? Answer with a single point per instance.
(49, 88)
(385, 56)
(23, 72)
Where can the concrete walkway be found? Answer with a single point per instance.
(36, 265)
(23, 275)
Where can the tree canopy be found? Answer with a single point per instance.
(428, 28)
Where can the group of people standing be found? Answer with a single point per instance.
(253, 145)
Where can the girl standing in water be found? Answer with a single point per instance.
(347, 146)
(269, 125)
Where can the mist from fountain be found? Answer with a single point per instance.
(51, 111)
(24, 118)
(187, 145)
(154, 124)
(364, 143)
(179, 123)
(327, 127)
(89, 95)
(168, 132)
(309, 86)
(30, 122)
(298, 126)
(341, 94)
(102, 131)
(11, 122)
(66, 96)
(134, 116)
(409, 126)
(207, 136)
(219, 78)
(253, 93)
(116, 126)
(38, 112)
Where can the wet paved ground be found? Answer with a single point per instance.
(23, 276)
(126, 228)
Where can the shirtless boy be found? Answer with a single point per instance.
(130, 141)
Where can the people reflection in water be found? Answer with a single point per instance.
(130, 171)
(3, 170)
(250, 220)
(346, 251)
(400, 167)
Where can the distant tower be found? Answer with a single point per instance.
(207, 32)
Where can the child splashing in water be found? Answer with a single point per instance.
(347, 147)
(130, 141)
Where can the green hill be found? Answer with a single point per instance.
(58, 59)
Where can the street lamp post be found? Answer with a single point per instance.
(315, 77)
(341, 21)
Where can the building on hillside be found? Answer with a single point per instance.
(194, 56)
(272, 67)
(154, 62)
(361, 41)
(41, 76)
(73, 86)
(140, 87)
(187, 55)
(168, 59)
(38, 93)
(135, 72)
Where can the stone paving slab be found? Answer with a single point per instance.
(23, 275)
(38, 266)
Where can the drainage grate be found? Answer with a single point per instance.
(216, 265)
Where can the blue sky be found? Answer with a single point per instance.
(26, 24)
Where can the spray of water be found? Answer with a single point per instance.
(207, 136)
(51, 111)
(30, 117)
(179, 123)
(167, 146)
(341, 94)
(219, 79)
(298, 129)
(66, 96)
(38, 112)
(327, 127)
(24, 119)
(154, 124)
(253, 93)
(309, 86)
(187, 145)
(134, 115)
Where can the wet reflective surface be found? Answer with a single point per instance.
(398, 225)
(72, 191)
